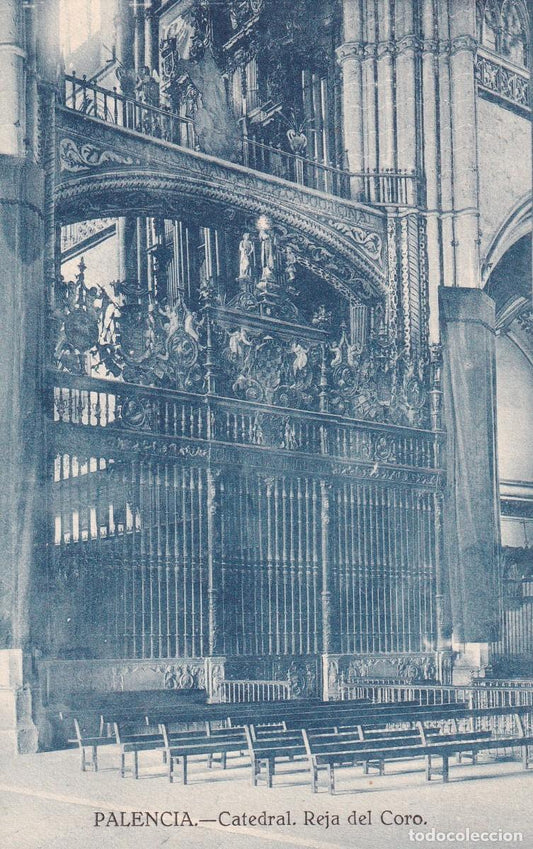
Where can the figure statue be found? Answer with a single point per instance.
(267, 253)
(237, 340)
(300, 358)
(246, 257)
(190, 325)
(290, 263)
(147, 87)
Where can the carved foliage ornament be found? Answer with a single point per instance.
(79, 157)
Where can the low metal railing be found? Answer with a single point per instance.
(109, 105)
(388, 187)
(255, 691)
(478, 695)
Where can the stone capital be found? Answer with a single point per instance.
(350, 50)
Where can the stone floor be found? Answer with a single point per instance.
(47, 803)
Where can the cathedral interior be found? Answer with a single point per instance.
(266, 346)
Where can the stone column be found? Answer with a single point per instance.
(471, 531)
(21, 334)
(138, 42)
(406, 88)
(151, 48)
(350, 55)
(385, 88)
(124, 34)
(431, 161)
(464, 143)
(12, 79)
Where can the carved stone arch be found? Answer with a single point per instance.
(345, 255)
(489, 23)
(517, 224)
(515, 31)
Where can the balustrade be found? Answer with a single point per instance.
(255, 691)
(481, 694)
(380, 188)
(109, 105)
(97, 403)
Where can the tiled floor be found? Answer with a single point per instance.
(47, 803)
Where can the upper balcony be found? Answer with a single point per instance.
(375, 188)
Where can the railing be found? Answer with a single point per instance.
(478, 695)
(503, 79)
(389, 187)
(82, 95)
(100, 403)
(255, 691)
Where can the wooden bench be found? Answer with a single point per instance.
(335, 750)
(87, 742)
(132, 744)
(266, 747)
(178, 751)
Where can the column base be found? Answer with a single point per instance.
(18, 733)
(472, 660)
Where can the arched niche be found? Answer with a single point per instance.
(509, 284)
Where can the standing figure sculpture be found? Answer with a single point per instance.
(267, 253)
(246, 257)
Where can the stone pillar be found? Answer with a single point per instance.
(138, 42)
(151, 48)
(406, 89)
(471, 530)
(385, 88)
(464, 143)
(21, 332)
(350, 55)
(429, 108)
(12, 79)
(124, 34)
(21, 335)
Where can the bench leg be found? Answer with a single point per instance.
(210, 762)
(314, 778)
(83, 761)
(184, 769)
(95, 758)
(445, 769)
(170, 765)
(525, 757)
(224, 760)
(122, 765)
(269, 771)
(331, 778)
(136, 764)
(256, 769)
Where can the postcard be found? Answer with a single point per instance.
(266, 476)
